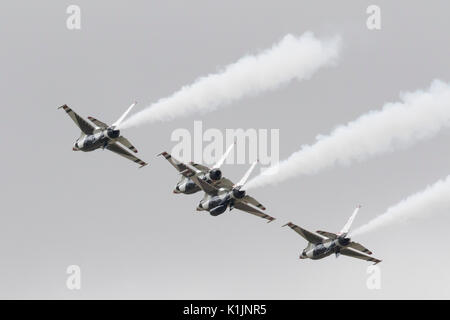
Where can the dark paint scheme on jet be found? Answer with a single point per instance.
(323, 243)
(102, 136)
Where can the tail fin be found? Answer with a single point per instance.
(122, 117)
(347, 226)
(246, 175)
(224, 157)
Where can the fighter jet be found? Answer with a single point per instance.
(211, 175)
(218, 198)
(100, 135)
(323, 244)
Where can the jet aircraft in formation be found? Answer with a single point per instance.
(322, 243)
(220, 193)
(98, 135)
(211, 175)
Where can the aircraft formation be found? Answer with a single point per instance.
(220, 193)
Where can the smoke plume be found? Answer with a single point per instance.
(291, 58)
(418, 116)
(434, 199)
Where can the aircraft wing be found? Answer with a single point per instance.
(180, 166)
(309, 236)
(358, 255)
(244, 207)
(114, 147)
(126, 143)
(327, 234)
(84, 126)
(359, 247)
(200, 167)
(253, 201)
(98, 123)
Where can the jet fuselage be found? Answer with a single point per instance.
(187, 186)
(217, 204)
(95, 141)
(324, 249)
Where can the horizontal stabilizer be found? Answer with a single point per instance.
(124, 141)
(244, 207)
(358, 255)
(114, 147)
(253, 201)
(359, 247)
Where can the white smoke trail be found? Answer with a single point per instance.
(434, 199)
(292, 58)
(418, 116)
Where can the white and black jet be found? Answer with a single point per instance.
(211, 175)
(219, 198)
(102, 136)
(323, 244)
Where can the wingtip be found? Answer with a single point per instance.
(284, 225)
(271, 219)
(145, 164)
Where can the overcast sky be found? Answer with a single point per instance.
(134, 238)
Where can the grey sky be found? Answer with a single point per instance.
(131, 236)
